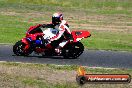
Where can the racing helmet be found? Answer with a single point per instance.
(57, 18)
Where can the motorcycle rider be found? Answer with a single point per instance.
(63, 31)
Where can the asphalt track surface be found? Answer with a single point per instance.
(91, 58)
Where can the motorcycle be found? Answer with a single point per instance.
(37, 42)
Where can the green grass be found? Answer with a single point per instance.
(89, 6)
(107, 7)
(26, 82)
(24, 75)
(79, 3)
(42, 66)
(67, 68)
(13, 26)
(109, 41)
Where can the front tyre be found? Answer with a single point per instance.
(73, 50)
(18, 49)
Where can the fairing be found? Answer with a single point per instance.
(78, 35)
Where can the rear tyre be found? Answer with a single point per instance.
(18, 49)
(73, 50)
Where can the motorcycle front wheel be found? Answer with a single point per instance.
(73, 50)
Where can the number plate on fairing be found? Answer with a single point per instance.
(50, 32)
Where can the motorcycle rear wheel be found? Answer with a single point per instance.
(18, 49)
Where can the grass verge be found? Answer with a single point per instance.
(24, 75)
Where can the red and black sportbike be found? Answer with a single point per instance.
(37, 42)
